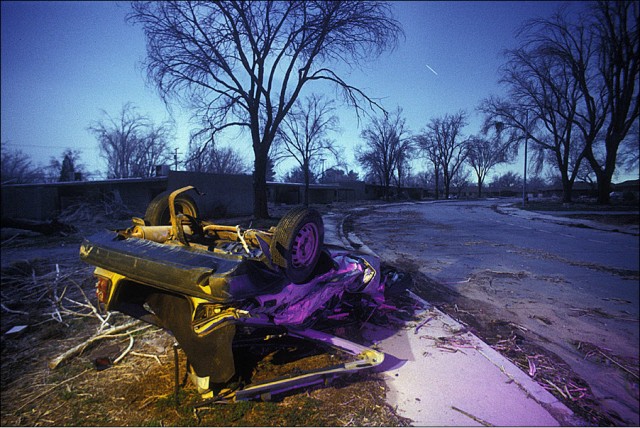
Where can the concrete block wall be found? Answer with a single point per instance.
(224, 194)
(31, 202)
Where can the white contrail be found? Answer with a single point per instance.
(432, 70)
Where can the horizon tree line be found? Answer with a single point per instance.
(571, 93)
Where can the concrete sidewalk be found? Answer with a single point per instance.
(464, 384)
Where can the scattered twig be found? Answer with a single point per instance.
(532, 367)
(618, 364)
(568, 393)
(150, 399)
(475, 418)
(12, 311)
(518, 326)
(421, 324)
(6, 241)
(447, 349)
(56, 316)
(140, 354)
(126, 351)
(557, 388)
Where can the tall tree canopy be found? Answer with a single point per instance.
(245, 63)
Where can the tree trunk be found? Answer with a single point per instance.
(604, 193)
(305, 167)
(604, 185)
(260, 190)
(447, 182)
(387, 184)
(437, 179)
(567, 188)
(604, 175)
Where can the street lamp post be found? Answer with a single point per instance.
(526, 140)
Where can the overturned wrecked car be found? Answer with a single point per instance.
(218, 289)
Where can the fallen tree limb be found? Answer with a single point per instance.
(44, 227)
(79, 348)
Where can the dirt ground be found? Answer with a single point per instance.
(49, 294)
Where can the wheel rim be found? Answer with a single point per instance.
(305, 246)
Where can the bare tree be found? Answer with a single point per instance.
(403, 162)
(591, 84)
(387, 145)
(17, 168)
(303, 135)
(489, 150)
(443, 142)
(618, 44)
(483, 157)
(131, 144)
(426, 179)
(430, 152)
(542, 104)
(208, 157)
(153, 149)
(459, 182)
(244, 64)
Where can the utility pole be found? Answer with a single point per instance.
(175, 159)
(526, 140)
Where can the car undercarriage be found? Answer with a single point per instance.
(219, 289)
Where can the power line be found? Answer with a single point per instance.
(11, 143)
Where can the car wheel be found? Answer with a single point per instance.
(158, 213)
(297, 243)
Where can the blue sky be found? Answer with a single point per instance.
(65, 62)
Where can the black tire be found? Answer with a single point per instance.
(297, 243)
(158, 214)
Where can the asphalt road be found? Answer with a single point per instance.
(572, 289)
